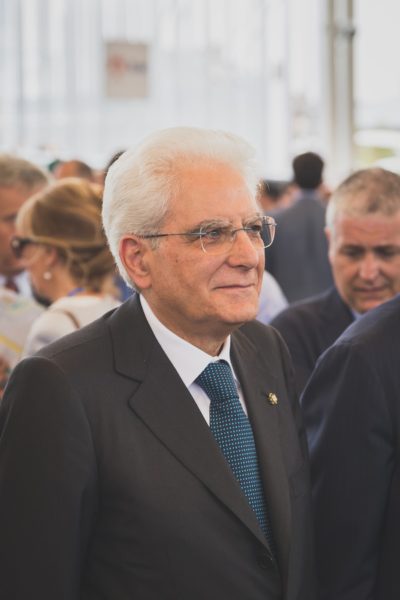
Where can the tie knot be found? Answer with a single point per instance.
(217, 381)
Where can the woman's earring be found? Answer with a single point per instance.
(47, 275)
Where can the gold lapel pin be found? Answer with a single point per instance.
(272, 398)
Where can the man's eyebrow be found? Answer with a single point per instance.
(221, 222)
(384, 247)
(211, 223)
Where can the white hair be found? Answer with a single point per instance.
(143, 180)
(368, 191)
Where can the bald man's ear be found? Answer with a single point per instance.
(134, 253)
(329, 237)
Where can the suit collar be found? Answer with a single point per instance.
(334, 310)
(132, 339)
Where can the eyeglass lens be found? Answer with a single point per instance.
(218, 240)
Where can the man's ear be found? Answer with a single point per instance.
(134, 252)
(51, 256)
(328, 234)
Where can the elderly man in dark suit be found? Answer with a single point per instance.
(352, 414)
(158, 453)
(363, 229)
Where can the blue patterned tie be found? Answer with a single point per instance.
(233, 433)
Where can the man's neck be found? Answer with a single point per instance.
(210, 345)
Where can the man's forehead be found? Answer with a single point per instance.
(372, 230)
(12, 197)
(245, 217)
(207, 175)
(367, 222)
(219, 200)
(216, 216)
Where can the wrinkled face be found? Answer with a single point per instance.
(197, 295)
(11, 199)
(365, 256)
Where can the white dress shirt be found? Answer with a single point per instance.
(188, 360)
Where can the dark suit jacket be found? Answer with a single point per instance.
(352, 413)
(298, 258)
(310, 327)
(112, 486)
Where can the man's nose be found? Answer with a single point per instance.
(369, 267)
(244, 251)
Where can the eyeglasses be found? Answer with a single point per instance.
(18, 244)
(218, 239)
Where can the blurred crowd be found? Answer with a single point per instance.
(56, 272)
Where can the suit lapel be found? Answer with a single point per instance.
(257, 382)
(164, 404)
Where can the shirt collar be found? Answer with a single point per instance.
(356, 314)
(188, 360)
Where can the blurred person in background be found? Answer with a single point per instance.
(17, 313)
(270, 196)
(363, 231)
(272, 299)
(299, 260)
(351, 410)
(74, 168)
(275, 195)
(19, 179)
(61, 244)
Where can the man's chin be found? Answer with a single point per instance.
(366, 306)
(238, 317)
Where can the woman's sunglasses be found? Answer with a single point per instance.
(18, 244)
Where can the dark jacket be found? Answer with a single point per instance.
(309, 328)
(351, 408)
(112, 486)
